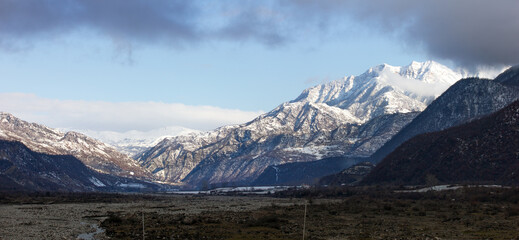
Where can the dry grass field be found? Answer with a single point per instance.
(475, 213)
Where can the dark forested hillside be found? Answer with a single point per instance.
(466, 100)
(482, 151)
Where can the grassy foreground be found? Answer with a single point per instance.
(341, 213)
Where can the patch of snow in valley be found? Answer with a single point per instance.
(446, 187)
(318, 151)
(96, 182)
(257, 190)
(131, 185)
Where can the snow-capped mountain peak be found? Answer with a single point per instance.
(431, 72)
(385, 89)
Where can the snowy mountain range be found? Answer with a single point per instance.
(342, 121)
(353, 117)
(93, 153)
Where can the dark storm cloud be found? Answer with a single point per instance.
(258, 23)
(131, 20)
(469, 32)
(127, 23)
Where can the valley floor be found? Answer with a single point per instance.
(69, 216)
(476, 213)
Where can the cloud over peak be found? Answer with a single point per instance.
(468, 32)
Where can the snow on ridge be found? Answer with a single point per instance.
(427, 73)
(386, 89)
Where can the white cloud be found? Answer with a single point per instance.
(118, 116)
(414, 86)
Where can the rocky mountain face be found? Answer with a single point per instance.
(484, 151)
(94, 154)
(466, 100)
(22, 169)
(352, 117)
(348, 176)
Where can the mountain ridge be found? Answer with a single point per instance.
(22, 169)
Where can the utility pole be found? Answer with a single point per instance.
(304, 222)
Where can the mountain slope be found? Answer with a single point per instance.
(483, 151)
(290, 128)
(298, 173)
(348, 139)
(350, 117)
(22, 169)
(91, 152)
(349, 176)
(510, 77)
(466, 100)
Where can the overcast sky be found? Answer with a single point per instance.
(81, 64)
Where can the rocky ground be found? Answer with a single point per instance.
(340, 213)
(77, 216)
